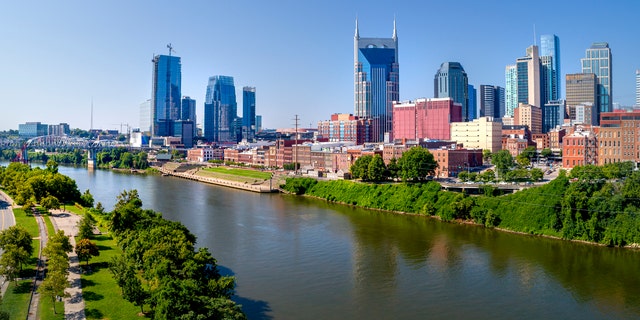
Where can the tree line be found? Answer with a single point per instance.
(415, 165)
(591, 203)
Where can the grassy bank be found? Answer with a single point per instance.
(16, 298)
(235, 174)
(604, 212)
(102, 296)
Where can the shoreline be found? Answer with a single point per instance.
(260, 188)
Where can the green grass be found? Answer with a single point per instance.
(50, 229)
(16, 299)
(45, 309)
(243, 175)
(74, 209)
(103, 299)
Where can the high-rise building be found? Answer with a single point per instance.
(598, 61)
(258, 123)
(188, 112)
(472, 102)
(550, 47)
(146, 117)
(32, 129)
(552, 115)
(581, 89)
(166, 93)
(492, 102)
(638, 88)
(451, 82)
(345, 127)
(511, 90)
(377, 84)
(523, 83)
(220, 110)
(248, 113)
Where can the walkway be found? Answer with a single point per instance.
(35, 295)
(74, 303)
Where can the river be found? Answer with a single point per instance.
(299, 258)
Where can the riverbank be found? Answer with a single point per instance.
(549, 211)
(266, 186)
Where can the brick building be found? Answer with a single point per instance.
(579, 148)
(346, 127)
(425, 119)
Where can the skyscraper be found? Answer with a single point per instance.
(376, 81)
(523, 81)
(220, 110)
(598, 61)
(511, 90)
(146, 117)
(581, 89)
(638, 88)
(552, 115)
(188, 112)
(166, 93)
(472, 103)
(451, 82)
(492, 101)
(248, 113)
(550, 47)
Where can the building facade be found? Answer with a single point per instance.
(451, 82)
(523, 81)
(550, 47)
(581, 89)
(529, 115)
(598, 60)
(146, 117)
(618, 137)
(188, 112)
(483, 133)
(579, 149)
(166, 93)
(32, 129)
(220, 110)
(61, 129)
(248, 113)
(511, 90)
(376, 81)
(492, 101)
(552, 115)
(425, 119)
(637, 88)
(472, 102)
(345, 127)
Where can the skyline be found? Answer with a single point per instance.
(298, 56)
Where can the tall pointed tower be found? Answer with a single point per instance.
(376, 82)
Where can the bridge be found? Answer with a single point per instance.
(477, 188)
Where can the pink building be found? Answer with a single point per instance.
(425, 119)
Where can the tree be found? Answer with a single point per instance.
(486, 155)
(87, 199)
(416, 163)
(85, 249)
(536, 174)
(376, 168)
(18, 236)
(392, 169)
(487, 176)
(360, 168)
(546, 152)
(523, 161)
(503, 162)
(86, 226)
(12, 260)
(53, 286)
(463, 176)
(50, 203)
(52, 166)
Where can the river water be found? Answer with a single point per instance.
(299, 258)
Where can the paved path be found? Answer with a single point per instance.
(74, 304)
(35, 295)
(8, 220)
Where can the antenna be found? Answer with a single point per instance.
(295, 161)
(91, 127)
(170, 49)
(535, 40)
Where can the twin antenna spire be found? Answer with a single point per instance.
(395, 33)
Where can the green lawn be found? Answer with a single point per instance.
(16, 299)
(49, 224)
(45, 309)
(236, 174)
(102, 296)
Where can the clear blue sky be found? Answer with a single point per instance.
(55, 56)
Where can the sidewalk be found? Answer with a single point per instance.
(74, 304)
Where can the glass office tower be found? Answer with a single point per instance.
(598, 61)
(550, 59)
(472, 103)
(451, 82)
(220, 110)
(248, 113)
(376, 84)
(166, 93)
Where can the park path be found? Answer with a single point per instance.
(74, 304)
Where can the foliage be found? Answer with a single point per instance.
(255, 174)
(56, 282)
(24, 184)
(503, 162)
(416, 164)
(376, 168)
(161, 267)
(85, 226)
(546, 152)
(50, 202)
(299, 185)
(360, 168)
(121, 158)
(86, 199)
(17, 247)
(85, 249)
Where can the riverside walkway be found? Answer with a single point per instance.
(265, 187)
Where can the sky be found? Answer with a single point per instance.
(56, 57)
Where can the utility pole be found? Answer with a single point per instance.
(295, 155)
